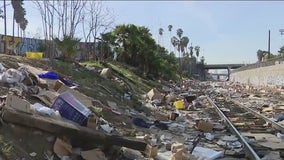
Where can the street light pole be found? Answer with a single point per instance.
(5, 25)
(269, 44)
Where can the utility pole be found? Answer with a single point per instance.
(269, 44)
(5, 26)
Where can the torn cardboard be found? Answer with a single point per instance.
(18, 103)
(47, 97)
(34, 74)
(92, 121)
(160, 116)
(62, 148)
(106, 73)
(87, 101)
(154, 94)
(204, 126)
(151, 151)
(96, 154)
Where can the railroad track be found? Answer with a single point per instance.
(241, 120)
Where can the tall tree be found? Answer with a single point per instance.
(161, 31)
(170, 27)
(191, 50)
(96, 20)
(180, 43)
(68, 46)
(197, 50)
(260, 55)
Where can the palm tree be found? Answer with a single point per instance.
(180, 43)
(184, 42)
(19, 14)
(179, 32)
(170, 27)
(202, 59)
(191, 50)
(67, 46)
(260, 55)
(161, 30)
(197, 50)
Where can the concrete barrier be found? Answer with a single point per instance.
(263, 76)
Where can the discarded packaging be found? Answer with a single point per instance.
(204, 126)
(151, 151)
(206, 153)
(107, 128)
(42, 109)
(92, 121)
(154, 94)
(106, 73)
(18, 103)
(62, 148)
(70, 108)
(179, 104)
(96, 154)
(209, 136)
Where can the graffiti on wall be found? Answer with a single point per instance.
(18, 45)
(11, 43)
(30, 45)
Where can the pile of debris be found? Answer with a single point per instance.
(59, 109)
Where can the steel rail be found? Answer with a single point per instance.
(274, 124)
(248, 149)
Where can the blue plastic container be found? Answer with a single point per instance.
(71, 108)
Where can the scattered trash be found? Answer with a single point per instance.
(179, 104)
(204, 126)
(33, 154)
(151, 151)
(106, 72)
(70, 108)
(279, 118)
(61, 148)
(209, 136)
(154, 94)
(107, 128)
(92, 121)
(128, 153)
(160, 125)
(230, 138)
(96, 154)
(42, 109)
(141, 123)
(280, 135)
(18, 103)
(206, 153)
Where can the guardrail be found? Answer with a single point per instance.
(269, 62)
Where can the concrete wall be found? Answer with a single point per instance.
(263, 76)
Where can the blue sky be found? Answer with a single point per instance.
(226, 31)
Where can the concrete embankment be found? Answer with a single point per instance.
(263, 76)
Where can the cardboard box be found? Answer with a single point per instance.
(87, 101)
(92, 121)
(151, 151)
(204, 126)
(61, 148)
(160, 116)
(177, 146)
(18, 103)
(57, 85)
(154, 94)
(71, 108)
(48, 97)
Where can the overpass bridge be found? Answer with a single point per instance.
(202, 69)
(222, 66)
